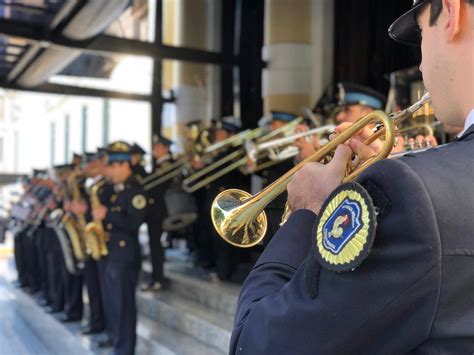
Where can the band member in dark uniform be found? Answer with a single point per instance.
(384, 264)
(156, 213)
(73, 303)
(225, 257)
(105, 191)
(276, 208)
(96, 322)
(137, 161)
(122, 220)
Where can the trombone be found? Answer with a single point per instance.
(289, 151)
(163, 175)
(236, 159)
(239, 217)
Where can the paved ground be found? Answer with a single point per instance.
(24, 327)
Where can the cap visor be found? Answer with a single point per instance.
(405, 29)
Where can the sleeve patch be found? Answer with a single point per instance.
(346, 227)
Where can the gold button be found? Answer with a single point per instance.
(113, 198)
(151, 200)
(122, 243)
(109, 226)
(118, 208)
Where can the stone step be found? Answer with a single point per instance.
(154, 338)
(191, 283)
(208, 326)
(217, 296)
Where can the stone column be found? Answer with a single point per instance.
(287, 78)
(185, 25)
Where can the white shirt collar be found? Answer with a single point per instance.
(163, 159)
(468, 123)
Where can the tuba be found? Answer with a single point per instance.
(94, 231)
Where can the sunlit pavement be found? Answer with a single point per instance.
(24, 327)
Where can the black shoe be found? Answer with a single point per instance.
(92, 330)
(43, 302)
(155, 287)
(64, 318)
(31, 290)
(19, 284)
(52, 310)
(105, 343)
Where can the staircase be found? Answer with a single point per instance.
(194, 316)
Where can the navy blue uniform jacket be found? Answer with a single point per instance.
(414, 293)
(123, 221)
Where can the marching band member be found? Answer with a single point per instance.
(156, 213)
(384, 264)
(122, 220)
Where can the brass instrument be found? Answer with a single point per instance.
(163, 175)
(75, 227)
(426, 130)
(95, 230)
(160, 172)
(69, 237)
(238, 216)
(188, 182)
(233, 141)
(76, 197)
(285, 144)
(235, 160)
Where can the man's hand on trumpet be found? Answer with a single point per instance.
(313, 183)
(361, 150)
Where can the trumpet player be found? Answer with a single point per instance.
(156, 213)
(214, 255)
(137, 161)
(275, 209)
(385, 264)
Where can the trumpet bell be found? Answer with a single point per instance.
(244, 235)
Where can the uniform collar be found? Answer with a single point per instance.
(468, 124)
(163, 159)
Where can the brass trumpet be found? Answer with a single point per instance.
(234, 160)
(239, 218)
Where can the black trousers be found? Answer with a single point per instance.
(55, 265)
(91, 279)
(121, 281)
(157, 253)
(32, 262)
(203, 229)
(106, 297)
(21, 256)
(42, 242)
(73, 303)
(227, 257)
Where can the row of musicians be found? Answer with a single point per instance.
(124, 207)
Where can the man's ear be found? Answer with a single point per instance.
(452, 22)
